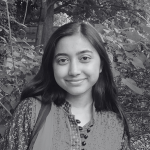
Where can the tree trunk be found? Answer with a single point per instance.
(40, 26)
(48, 21)
(45, 26)
(39, 35)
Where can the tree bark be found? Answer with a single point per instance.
(39, 35)
(40, 26)
(48, 21)
(45, 26)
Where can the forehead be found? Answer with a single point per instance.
(73, 44)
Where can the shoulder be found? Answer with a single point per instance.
(19, 128)
(25, 113)
(112, 122)
(26, 103)
(113, 127)
(28, 109)
(116, 129)
(111, 117)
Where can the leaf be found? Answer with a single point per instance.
(147, 64)
(109, 38)
(3, 74)
(137, 63)
(30, 55)
(110, 57)
(115, 72)
(38, 58)
(28, 77)
(5, 108)
(23, 69)
(13, 101)
(130, 47)
(120, 59)
(16, 54)
(147, 95)
(9, 63)
(130, 55)
(114, 64)
(131, 81)
(119, 52)
(110, 33)
(142, 57)
(146, 28)
(132, 86)
(116, 30)
(19, 63)
(99, 28)
(127, 25)
(7, 89)
(133, 35)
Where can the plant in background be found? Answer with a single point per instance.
(127, 42)
(129, 52)
(17, 66)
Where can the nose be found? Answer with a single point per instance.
(74, 69)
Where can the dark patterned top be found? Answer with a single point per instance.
(20, 127)
(19, 130)
(79, 134)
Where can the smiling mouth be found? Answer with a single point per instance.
(75, 82)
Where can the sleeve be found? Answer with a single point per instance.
(18, 131)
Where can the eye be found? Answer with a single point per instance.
(85, 59)
(62, 61)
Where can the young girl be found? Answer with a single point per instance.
(75, 79)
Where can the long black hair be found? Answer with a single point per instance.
(104, 92)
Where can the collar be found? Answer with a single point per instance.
(67, 108)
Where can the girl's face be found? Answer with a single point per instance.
(76, 65)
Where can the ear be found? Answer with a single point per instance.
(100, 69)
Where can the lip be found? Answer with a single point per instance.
(75, 82)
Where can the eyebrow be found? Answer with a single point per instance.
(81, 52)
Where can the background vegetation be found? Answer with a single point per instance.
(124, 26)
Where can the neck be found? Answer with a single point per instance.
(81, 107)
(80, 101)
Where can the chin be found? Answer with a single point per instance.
(76, 92)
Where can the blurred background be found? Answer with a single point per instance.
(124, 25)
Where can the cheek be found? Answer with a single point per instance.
(94, 71)
(59, 72)
(95, 75)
